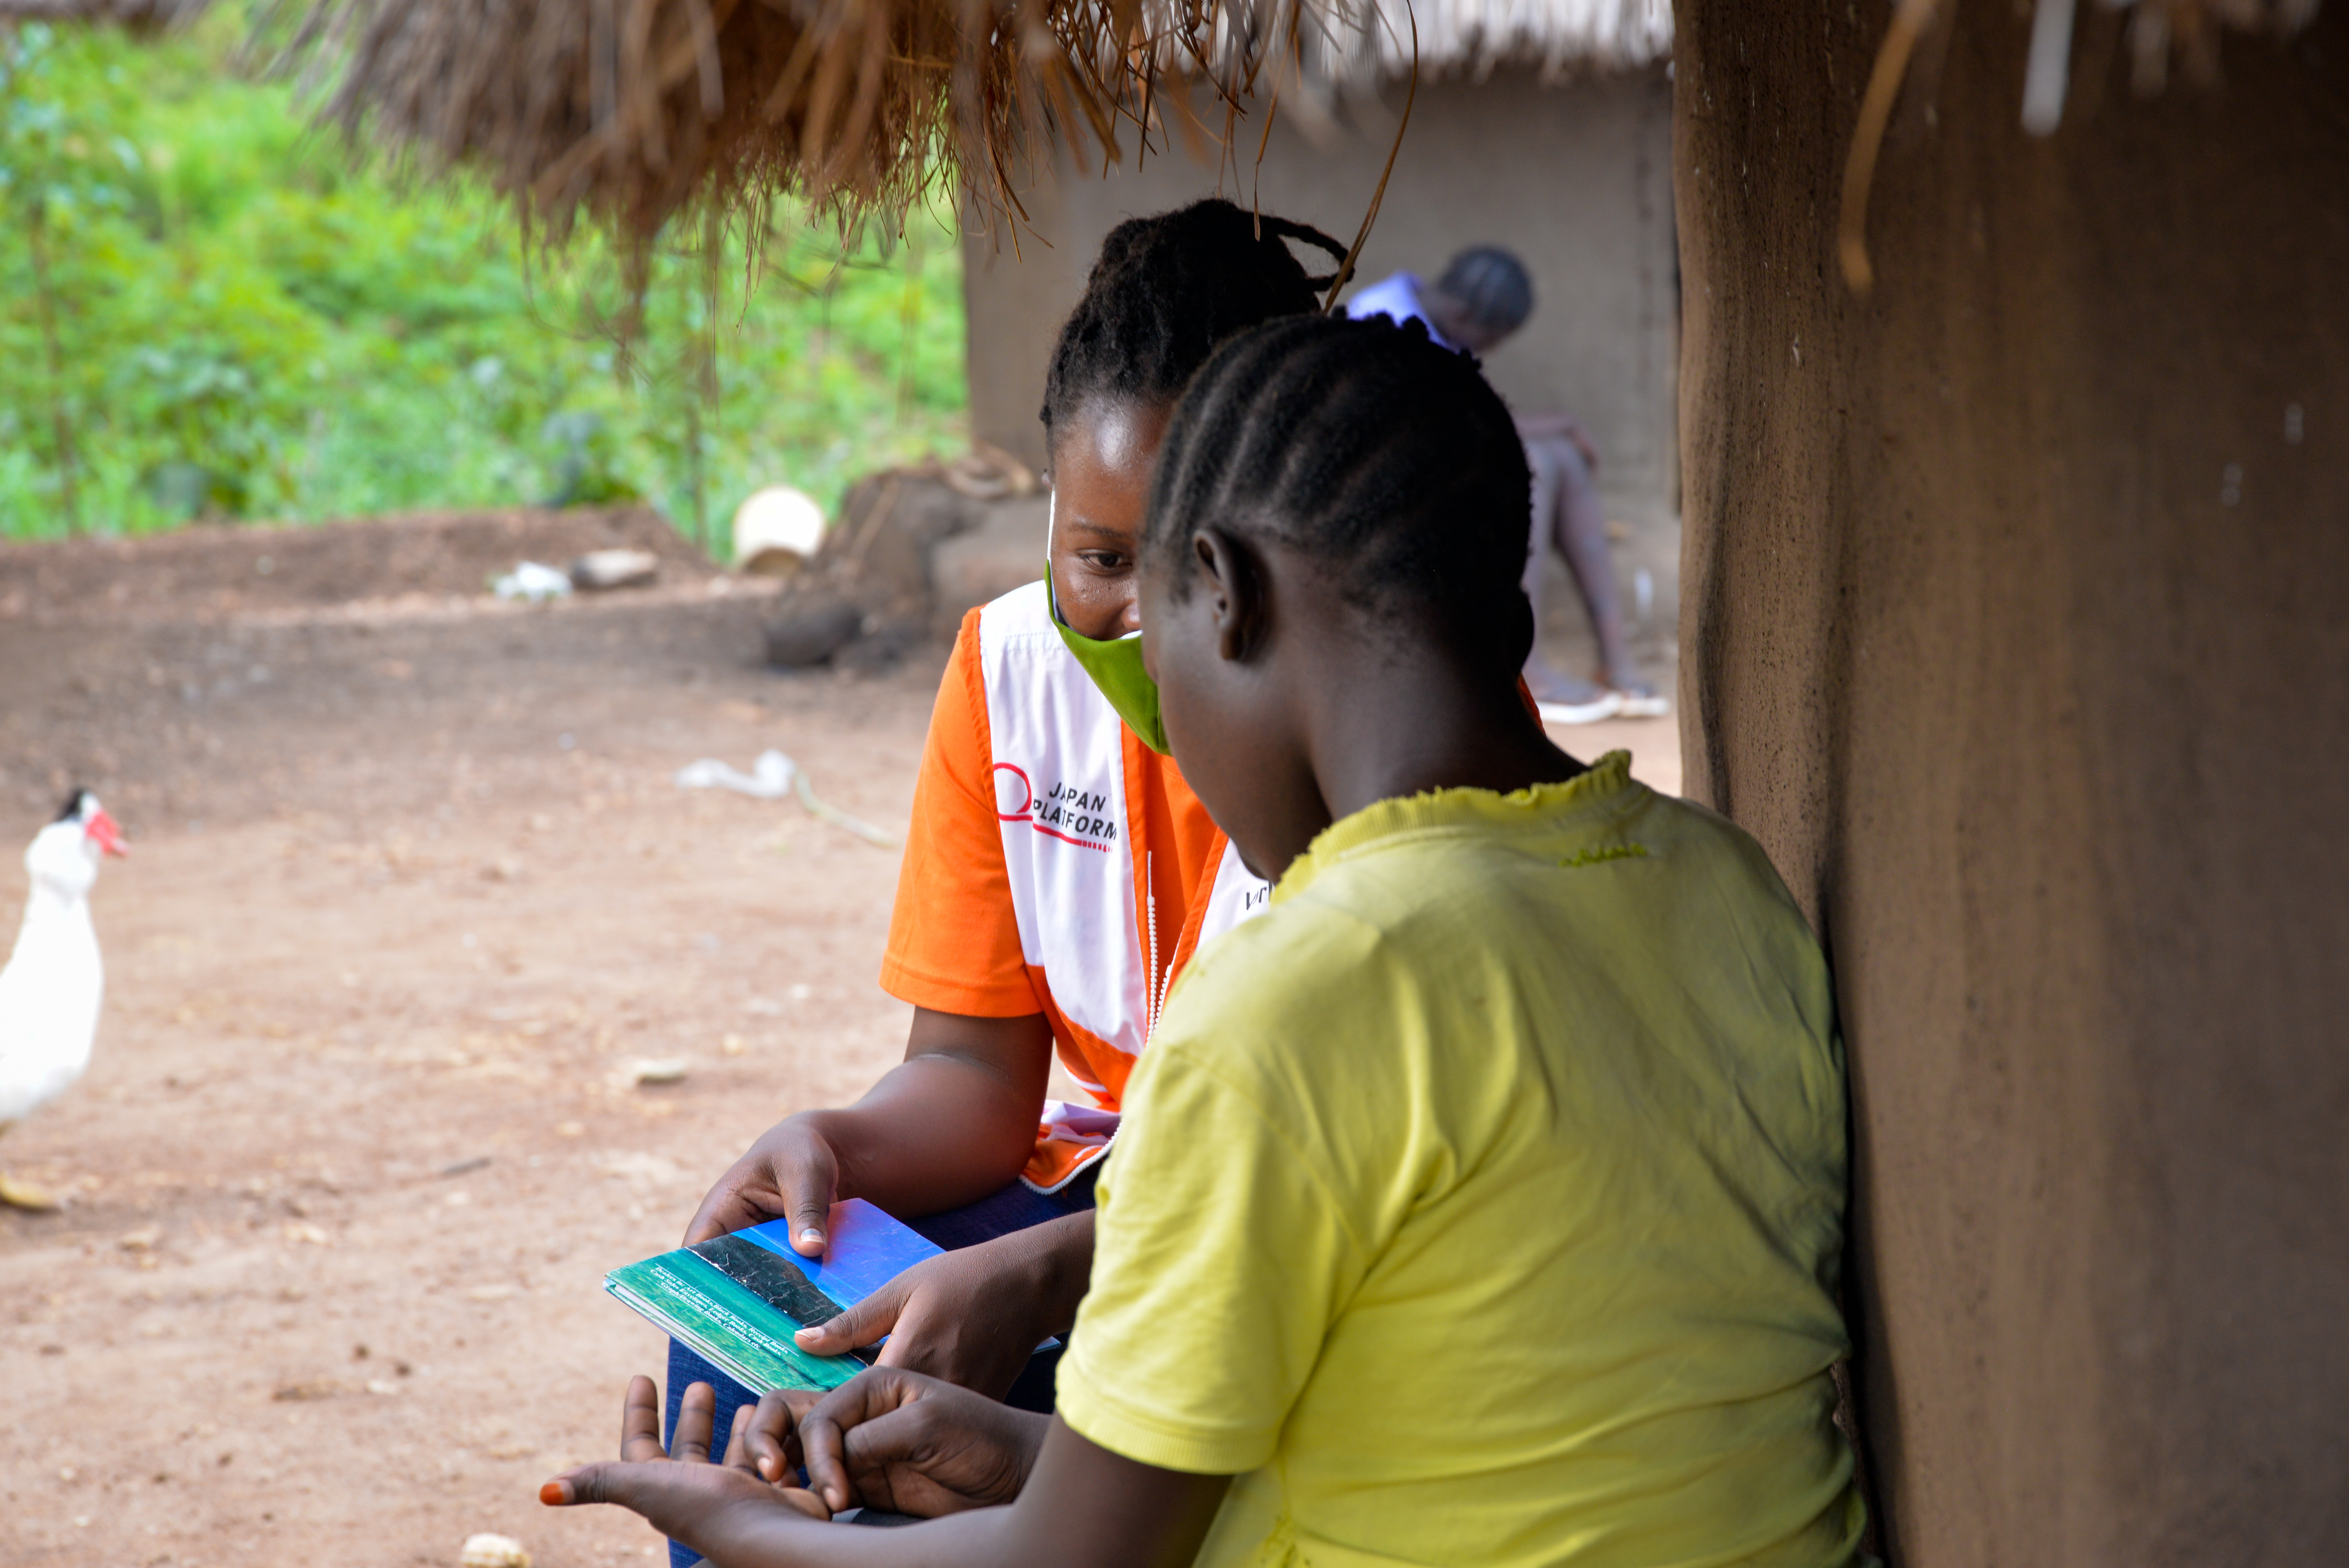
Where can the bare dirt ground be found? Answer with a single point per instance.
(411, 888)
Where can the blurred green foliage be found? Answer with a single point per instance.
(206, 310)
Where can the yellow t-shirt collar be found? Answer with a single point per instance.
(1605, 777)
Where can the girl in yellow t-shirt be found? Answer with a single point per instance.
(1059, 873)
(1520, 1241)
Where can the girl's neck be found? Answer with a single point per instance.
(1381, 727)
(1433, 734)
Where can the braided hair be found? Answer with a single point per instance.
(1367, 447)
(1165, 292)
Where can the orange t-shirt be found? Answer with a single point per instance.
(954, 934)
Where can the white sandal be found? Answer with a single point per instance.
(1605, 704)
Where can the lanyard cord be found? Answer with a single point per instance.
(1154, 998)
(1150, 992)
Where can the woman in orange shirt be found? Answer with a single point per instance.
(1059, 873)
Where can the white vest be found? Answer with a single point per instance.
(1059, 754)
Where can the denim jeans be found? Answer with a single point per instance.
(1015, 1208)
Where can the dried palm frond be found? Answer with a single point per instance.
(2158, 30)
(626, 111)
(2189, 31)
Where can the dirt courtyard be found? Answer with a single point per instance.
(411, 889)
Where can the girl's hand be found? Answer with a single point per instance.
(973, 1316)
(901, 1442)
(687, 1498)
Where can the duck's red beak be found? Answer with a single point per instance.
(101, 827)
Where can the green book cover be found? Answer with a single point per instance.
(737, 1301)
(725, 1323)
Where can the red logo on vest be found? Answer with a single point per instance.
(1019, 813)
(1070, 808)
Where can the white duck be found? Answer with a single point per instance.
(49, 992)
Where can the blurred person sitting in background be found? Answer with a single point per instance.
(1483, 298)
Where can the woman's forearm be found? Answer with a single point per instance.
(752, 1535)
(1084, 1507)
(950, 1125)
(1060, 1254)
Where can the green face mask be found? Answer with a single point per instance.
(1116, 670)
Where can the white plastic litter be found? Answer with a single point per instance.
(769, 778)
(533, 581)
(603, 570)
(487, 1550)
(775, 529)
(773, 777)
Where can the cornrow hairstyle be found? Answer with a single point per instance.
(1166, 290)
(1492, 285)
(1367, 447)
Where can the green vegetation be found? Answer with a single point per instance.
(206, 310)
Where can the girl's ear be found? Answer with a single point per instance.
(1232, 575)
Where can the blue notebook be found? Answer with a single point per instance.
(737, 1301)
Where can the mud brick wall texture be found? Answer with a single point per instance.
(2013, 624)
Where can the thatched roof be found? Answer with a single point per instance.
(629, 110)
(1474, 36)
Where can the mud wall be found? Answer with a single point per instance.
(2015, 624)
(1581, 188)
